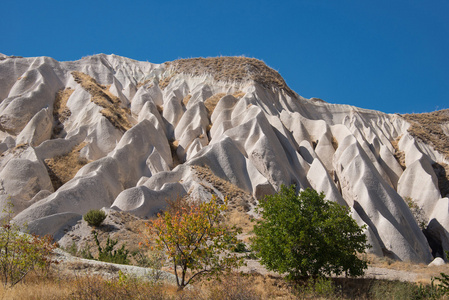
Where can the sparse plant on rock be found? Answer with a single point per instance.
(305, 235)
(20, 252)
(94, 217)
(108, 254)
(195, 239)
(417, 212)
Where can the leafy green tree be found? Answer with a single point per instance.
(305, 235)
(196, 240)
(20, 252)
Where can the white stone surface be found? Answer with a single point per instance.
(257, 143)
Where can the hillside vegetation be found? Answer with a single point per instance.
(232, 69)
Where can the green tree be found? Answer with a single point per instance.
(20, 252)
(305, 235)
(196, 240)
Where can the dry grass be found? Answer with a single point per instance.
(174, 144)
(241, 220)
(20, 147)
(334, 143)
(60, 110)
(238, 198)
(427, 127)
(212, 102)
(113, 109)
(232, 286)
(229, 69)
(63, 168)
(165, 81)
(239, 94)
(246, 287)
(142, 83)
(36, 286)
(186, 99)
(398, 154)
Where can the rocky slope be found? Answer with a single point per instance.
(108, 131)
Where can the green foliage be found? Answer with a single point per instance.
(443, 285)
(94, 217)
(408, 290)
(72, 249)
(304, 235)
(317, 288)
(21, 252)
(85, 253)
(195, 239)
(417, 212)
(108, 254)
(240, 248)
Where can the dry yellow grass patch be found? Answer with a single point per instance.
(20, 147)
(427, 127)
(60, 104)
(229, 69)
(212, 102)
(174, 144)
(186, 99)
(242, 220)
(239, 94)
(63, 168)
(60, 110)
(142, 83)
(238, 198)
(238, 286)
(36, 286)
(165, 81)
(334, 143)
(113, 110)
(398, 154)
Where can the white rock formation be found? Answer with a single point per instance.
(143, 133)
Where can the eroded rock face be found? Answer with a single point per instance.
(107, 131)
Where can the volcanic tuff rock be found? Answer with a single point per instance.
(108, 131)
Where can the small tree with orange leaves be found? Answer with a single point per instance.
(195, 239)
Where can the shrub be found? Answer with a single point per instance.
(417, 212)
(94, 217)
(240, 248)
(21, 252)
(195, 239)
(305, 235)
(108, 254)
(317, 288)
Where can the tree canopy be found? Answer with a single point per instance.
(305, 235)
(195, 239)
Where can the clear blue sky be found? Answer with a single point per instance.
(388, 55)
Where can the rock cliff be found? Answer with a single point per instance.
(108, 131)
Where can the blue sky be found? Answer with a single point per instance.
(387, 55)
